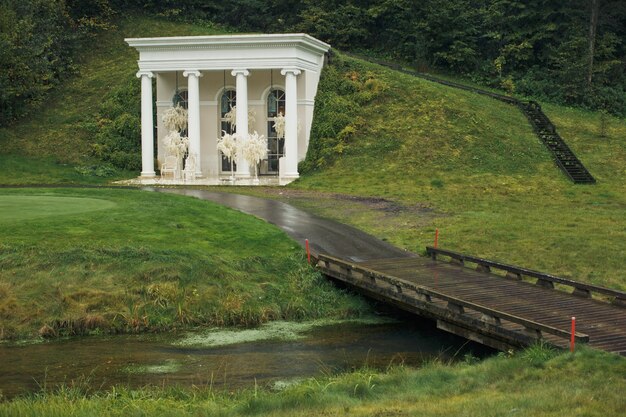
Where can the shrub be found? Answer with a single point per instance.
(118, 132)
(345, 86)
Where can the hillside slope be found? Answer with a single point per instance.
(472, 167)
(58, 135)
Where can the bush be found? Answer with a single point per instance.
(118, 132)
(344, 87)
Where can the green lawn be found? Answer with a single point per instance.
(17, 208)
(98, 260)
(50, 170)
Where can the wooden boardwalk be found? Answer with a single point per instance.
(496, 310)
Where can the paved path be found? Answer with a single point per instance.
(605, 324)
(324, 235)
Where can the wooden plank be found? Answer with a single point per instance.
(457, 302)
(468, 293)
(529, 273)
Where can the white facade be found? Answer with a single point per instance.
(208, 70)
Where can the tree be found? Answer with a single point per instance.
(593, 26)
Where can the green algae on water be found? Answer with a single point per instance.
(282, 384)
(276, 330)
(168, 367)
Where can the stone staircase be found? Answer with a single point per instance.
(563, 155)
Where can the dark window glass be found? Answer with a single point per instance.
(181, 98)
(276, 103)
(227, 102)
(275, 146)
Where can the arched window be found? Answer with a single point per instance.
(227, 102)
(181, 98)
(275, 103)
(275, 145)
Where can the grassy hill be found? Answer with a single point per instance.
(444, 158)
(394, 155)
(470, 166)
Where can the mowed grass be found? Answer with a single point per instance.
(51, 170)
(77, 261)
(16, 208)
(536, 382)
(472, 167)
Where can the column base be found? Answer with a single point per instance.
(284, 172)
(148, 174)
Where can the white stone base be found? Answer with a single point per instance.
(270, 181)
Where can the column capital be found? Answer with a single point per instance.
(196, 73)
(241, 71)
(294, 71)
(148, 74)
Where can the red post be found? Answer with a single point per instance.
(436, 237)
(572, 343)
(308, 250)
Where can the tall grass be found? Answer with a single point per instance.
(587, 383)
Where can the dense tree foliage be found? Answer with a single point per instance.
(38, 39)
(570, 52)
(117, 131)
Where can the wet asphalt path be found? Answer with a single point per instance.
(325, 236)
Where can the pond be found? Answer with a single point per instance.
(273, 355)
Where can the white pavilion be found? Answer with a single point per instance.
(261, 76)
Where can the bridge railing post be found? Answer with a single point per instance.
(534, 333)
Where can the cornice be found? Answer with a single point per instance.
(219, 64)
(283, 40)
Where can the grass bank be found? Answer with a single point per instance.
(536, 382)
(421, 156)
(75, 261)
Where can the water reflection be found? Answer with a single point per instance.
(137, 361)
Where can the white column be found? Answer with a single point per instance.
(291, 123)
(193, 114)
(147, 125)
(241, 85)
